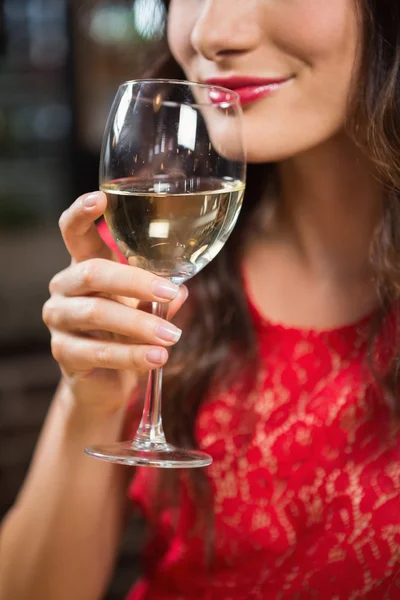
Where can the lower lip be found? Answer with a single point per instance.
(248, 94)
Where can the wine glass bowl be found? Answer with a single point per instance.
(176, 232)
(161, 151)
(173, 169)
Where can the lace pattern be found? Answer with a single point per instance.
(306, 481)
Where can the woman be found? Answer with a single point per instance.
(287, 372)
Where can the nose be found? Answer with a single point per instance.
(226, 27)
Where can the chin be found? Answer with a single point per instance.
(270, 154)
(267, 140)
(273, 148)
(271, 138)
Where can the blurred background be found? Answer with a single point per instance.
(60, 64)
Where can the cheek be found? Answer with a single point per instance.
(328, 39)
(320, 40)
(181, 20)
(317, 32)
(317, 40)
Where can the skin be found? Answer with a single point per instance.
(316, 245)
(290, 38)
(315, 249)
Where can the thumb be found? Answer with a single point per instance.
(78, 228)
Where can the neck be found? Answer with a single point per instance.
(329, 207)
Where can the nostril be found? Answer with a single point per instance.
(229, 52)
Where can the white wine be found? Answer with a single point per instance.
(165, 227)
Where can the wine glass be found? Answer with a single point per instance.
(173, 169)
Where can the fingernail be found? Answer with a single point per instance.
(157, 356)
(90, 200)
(168, 332)
(164, 289)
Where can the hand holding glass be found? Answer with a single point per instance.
(173, 169)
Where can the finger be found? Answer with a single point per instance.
(179, 301)
(103, 276)
(173, 307)
(78, 228)
(79, 354)
(96, 313)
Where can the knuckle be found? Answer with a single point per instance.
(134, 359)
(57, 348)
(151, 324)
(103, 355)
(63, 220)
(54, 283)
(53, 314)
(89, 270)
(92, 311)
(48, 312)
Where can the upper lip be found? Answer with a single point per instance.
(236, 82)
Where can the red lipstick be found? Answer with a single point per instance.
(249, 89)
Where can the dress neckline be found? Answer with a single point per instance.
(360, 325)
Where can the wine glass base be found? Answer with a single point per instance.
(149, 455)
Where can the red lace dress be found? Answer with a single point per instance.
(306, 481)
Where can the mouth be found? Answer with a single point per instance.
(249, 89)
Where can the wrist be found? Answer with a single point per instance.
(89, 417)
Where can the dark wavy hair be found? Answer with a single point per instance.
(218, 331)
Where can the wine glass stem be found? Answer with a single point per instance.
(150, 429)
